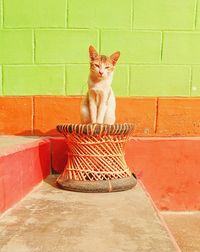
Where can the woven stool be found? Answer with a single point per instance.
(96, 158)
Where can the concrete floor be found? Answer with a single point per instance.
(185, 226)
(51, 219)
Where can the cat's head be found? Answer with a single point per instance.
(100, 65)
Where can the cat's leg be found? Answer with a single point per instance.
(93, 111)
(109, 116)
(110, 112)
(102, 107)
(85, 113)
(92, 107)
(101, 112)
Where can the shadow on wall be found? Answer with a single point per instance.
(42, 157)
(44, 153)
(57, 152)
(39, 133)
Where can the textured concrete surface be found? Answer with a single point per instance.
(51, 219)
(185, 227)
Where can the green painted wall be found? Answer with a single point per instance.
(44, 45)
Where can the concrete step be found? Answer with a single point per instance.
(52, 219)
(24, 162)
(185, 228)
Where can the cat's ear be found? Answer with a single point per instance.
(92, 52)
(114, 57)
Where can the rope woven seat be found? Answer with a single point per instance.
(96, 160)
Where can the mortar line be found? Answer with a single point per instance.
(33, 115)
(42, 64)
(156, 116)
(67, 14)
(2, 13)
(84, 63)
(49, 28)
(99, 40)
(132, 15)
(195, 11)
(161, 46)
(145, 30)
(34, 47)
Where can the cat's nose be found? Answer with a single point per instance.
(100, 72)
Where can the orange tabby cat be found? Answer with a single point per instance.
(99, 104)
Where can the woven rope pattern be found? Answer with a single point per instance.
(96, 152)
(96, 129)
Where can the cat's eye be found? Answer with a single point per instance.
(96, 65)
(107, 67)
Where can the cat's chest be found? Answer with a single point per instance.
(99, 90)
(102, 86)
(99, 93)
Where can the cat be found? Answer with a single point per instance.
(99, 104)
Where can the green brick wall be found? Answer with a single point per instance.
(44, 45)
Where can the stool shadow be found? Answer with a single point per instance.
(51, 180)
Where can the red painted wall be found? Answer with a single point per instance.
(168, 168)
(21, 170)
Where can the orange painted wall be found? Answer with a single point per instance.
(39, 115)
